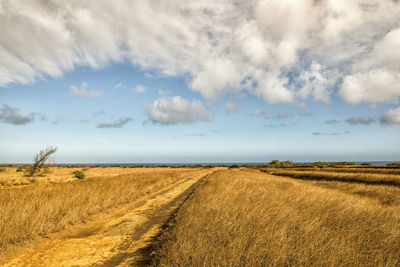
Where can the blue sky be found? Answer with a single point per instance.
(221, 86)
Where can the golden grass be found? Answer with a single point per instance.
(349, 170)
(10, 177)
(27, 213)
(373, 178)
(249, 218)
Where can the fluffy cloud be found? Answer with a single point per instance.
(374, 86)
(176, 110)
(376, 76)
(279, 50)
(364, 120)
(391, 116)
(82, 92)
(388, 49)
(318, 82)
(117, 124)
(11, 115)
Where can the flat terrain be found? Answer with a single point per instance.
(103, 220)
(252, 218)
(202, 217)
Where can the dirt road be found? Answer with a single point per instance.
(114, 239)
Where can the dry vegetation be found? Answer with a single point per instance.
(349, 170)
(10, 177)
(30, 212)
(250, 218)
(372, 178)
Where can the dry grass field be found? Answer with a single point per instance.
(351, 170)
(10, 177)
(217, 217)
(249, 218)
(351, 176)
(58, 200)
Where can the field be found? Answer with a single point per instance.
(248, 218)
(202, 217)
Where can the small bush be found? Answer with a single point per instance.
(80, 175)
(210, 166)
(20, 169)
(394, 164)
(197, 166)
(234, 166)
(367, 164)
(2, 169)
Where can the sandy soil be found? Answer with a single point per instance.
(116, 238)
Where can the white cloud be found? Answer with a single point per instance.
(391, 116)
(273, 90)
(374, 86)
(177, 110)
(265, 47)
(82, 92)
(318, 82)
(139, 89)
(388, 49)
(216, 78)
(376, 77)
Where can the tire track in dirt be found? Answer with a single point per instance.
(117, 240)
(157, 223)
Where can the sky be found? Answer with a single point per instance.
(200, 81)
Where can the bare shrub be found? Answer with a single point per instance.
(41, 161)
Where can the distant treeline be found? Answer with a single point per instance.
(271, 164)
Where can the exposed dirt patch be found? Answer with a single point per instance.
(112, 239)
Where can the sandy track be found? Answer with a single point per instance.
(115, 239)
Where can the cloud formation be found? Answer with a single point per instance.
(391, 116)
(364, 120)
(177, 110)
(82, 92)
(221, 47)
(12, 116)
(116, 124)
